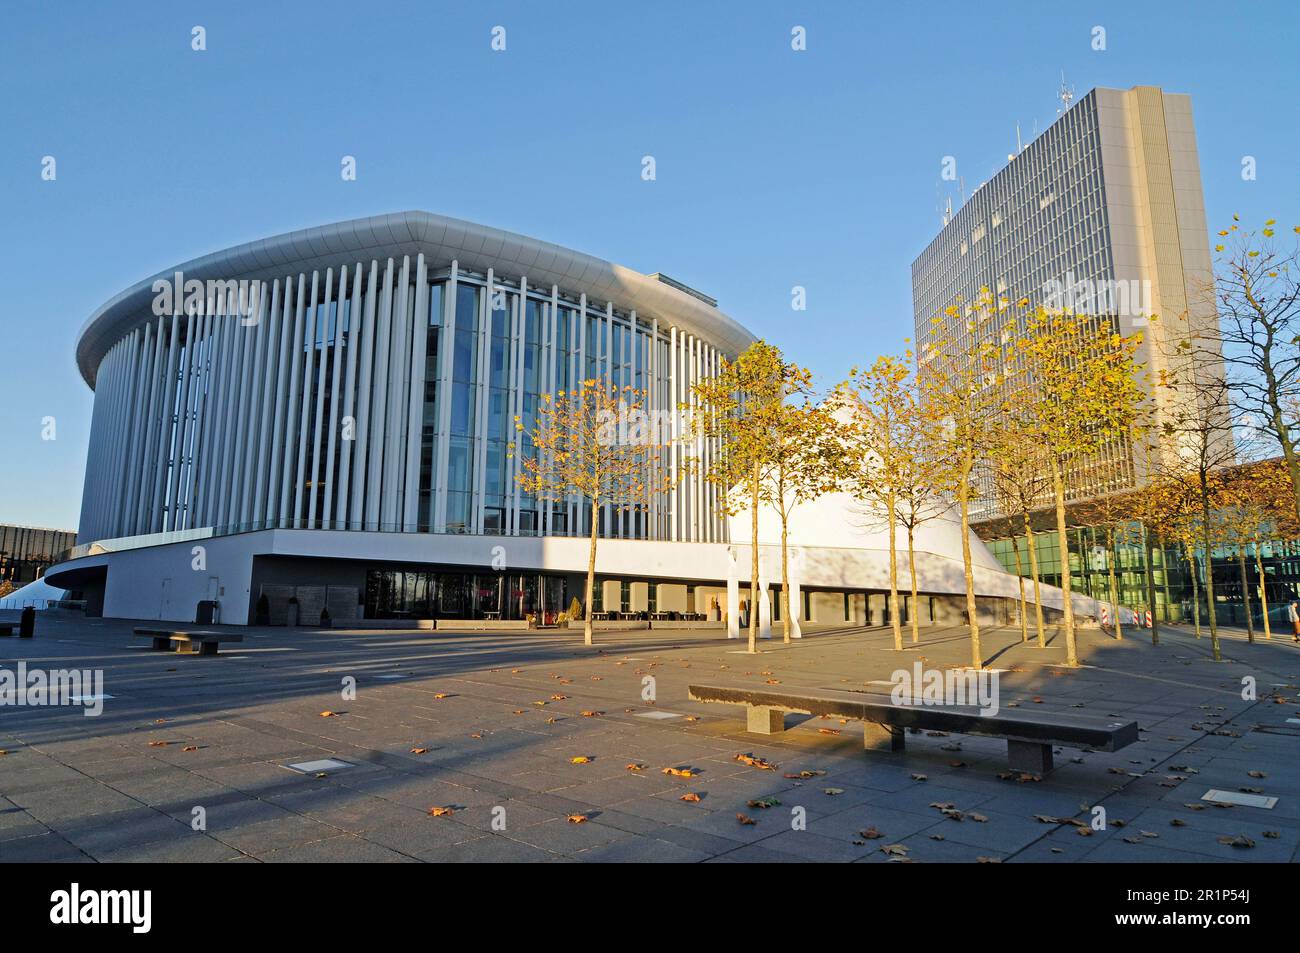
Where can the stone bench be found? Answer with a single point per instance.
(1030, 736)
(189, 643)
(6, 629)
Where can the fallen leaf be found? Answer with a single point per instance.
(635, 766)
(763, 802)
(441, 811)
(1240, 840)
(580, 759)
(419, 751)
(871, 833)
(689, 796)
(746, 820)
(329, 714)
(578, 818)
(755, 762)
(680, 772)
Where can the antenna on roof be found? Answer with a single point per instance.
(1065, 94)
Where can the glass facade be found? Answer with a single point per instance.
(1091, 559)
(421, 594)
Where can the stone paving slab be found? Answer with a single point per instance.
(496, 719)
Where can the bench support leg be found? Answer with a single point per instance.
(760, 720)
(1029, 757)
(876, 737)
(207, 648)
(162, 644)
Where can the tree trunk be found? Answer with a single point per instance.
(591, 573)
(1151, 581)
(911, 568)
(1031, 545)
(1245, 593)
(785, 574)
(963, 498)
(1263, 592)
(753, 564)
(1024, 610)
(1196, 592)
(1114, 589)
(891, 508)
(1209, 571)
(1063, 550)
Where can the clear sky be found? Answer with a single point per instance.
(775, 168)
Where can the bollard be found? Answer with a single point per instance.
(27, 623)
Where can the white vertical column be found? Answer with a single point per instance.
(272, 396)
(166, 413)
(215, 404)
(361, 488)
(236, 430)
(349, 401)
(186, 361)
(126, 431)
(304, 416)
(379, 407)
(284, 513)
(446, 364)
(399, 372)
(415, 422)
(202, 351)
(322, 361)
(516, 394)
(336, 383)
(254, 347)
(481, 386)
(224, 392)
(675, 455)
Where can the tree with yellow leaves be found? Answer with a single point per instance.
(961, 373)
(599, 443)
(807, 451)
(741, 408)
(1077, 374)
(880, 406)
(1021, 484)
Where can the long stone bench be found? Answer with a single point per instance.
(188, 643)
(1030, 735)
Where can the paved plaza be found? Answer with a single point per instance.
(488, 726)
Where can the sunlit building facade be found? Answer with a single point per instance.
(1102, 214)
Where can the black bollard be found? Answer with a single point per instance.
(27, 623)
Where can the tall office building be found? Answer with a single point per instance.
(1102, 214)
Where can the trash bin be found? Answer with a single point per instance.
(27, 623)
(206, 614)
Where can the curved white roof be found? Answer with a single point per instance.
(441, 240)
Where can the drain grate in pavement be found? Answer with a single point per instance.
(314, 767)
(1240, 798)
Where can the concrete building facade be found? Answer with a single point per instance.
(324, 420)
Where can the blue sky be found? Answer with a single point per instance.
(774, 168)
